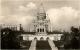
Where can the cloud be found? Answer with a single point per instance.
(31, 5)
(27, 7)
(23, 15)
(64, 17)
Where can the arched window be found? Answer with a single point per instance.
(43, 30)
(37, 30)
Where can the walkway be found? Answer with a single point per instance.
(33, 45)
(52, 45)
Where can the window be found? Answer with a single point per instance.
(37, 30)
(42, 30)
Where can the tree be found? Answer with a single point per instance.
(9, 40)
(75, 38)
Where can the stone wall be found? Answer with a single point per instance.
(54, 37)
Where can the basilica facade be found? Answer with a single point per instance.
(41, 27)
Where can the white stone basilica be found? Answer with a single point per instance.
(41, 27)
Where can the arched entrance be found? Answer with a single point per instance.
(41, 38)
(47, 38)
(35, 38)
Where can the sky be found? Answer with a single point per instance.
(62, 13)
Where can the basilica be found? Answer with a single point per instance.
(41, 28)
(39, 36)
